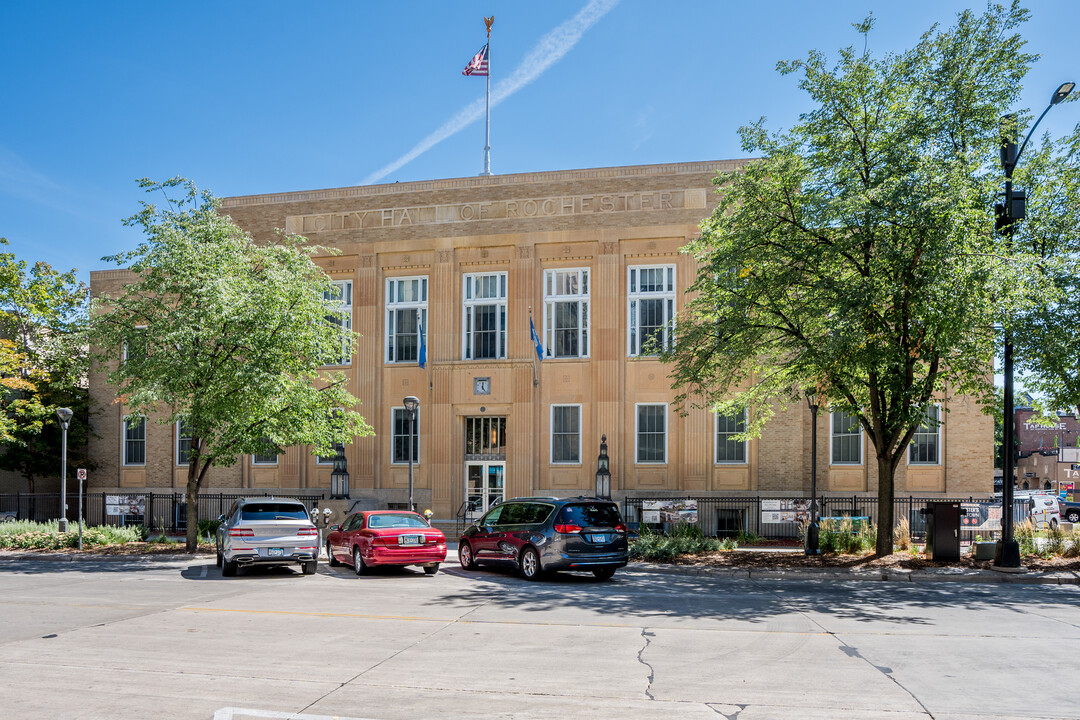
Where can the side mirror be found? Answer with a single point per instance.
(221, 518)
(334, 528)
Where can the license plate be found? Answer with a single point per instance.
(599, 538)
(276, 552)
(410, 539)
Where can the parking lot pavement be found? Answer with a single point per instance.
(173, 638)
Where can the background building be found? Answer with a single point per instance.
(591, 258)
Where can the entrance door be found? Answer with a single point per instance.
(485, 486)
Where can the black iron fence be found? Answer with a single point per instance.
(164, 512)
(779, 518)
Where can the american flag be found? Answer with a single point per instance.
(478, 65)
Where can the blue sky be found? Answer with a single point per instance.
(260, 97)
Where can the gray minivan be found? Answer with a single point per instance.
(545, 534)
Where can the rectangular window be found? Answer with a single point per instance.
(728, 449)
(651, 297)
(926, 442)
(651, 433)
(338, 299)
(566, 434)
(401, 437)
(135, 345)
(484, 316)
(264, 458)
(566, 313)
(406, 313)
(846, 439)
(183, 442)
(134, 441)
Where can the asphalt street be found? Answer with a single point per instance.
(152, 638)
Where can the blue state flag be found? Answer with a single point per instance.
(423, 347)
(536, 340)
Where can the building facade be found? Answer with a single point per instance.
(590, 259)
(1048, 455)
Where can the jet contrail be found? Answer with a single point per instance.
(547, 52)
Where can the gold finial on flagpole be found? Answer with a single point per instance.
(489, 21)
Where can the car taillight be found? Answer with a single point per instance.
(620, 527)
(567, 529)
(307, 532)
(241, 532)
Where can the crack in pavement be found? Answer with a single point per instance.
(733, 716)
(640, 658)
(391, 657)
(853, 652)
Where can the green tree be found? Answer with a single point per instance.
(226, 335)
(43, 323)
(858, 255)
(1047, 337)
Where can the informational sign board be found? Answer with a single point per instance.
(125, 505)
(669, 511)
(785, 510)
(981, 515)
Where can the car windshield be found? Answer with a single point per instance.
(273, 511)
(404, 520)
(591, 515)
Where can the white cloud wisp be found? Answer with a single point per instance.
(551, 48)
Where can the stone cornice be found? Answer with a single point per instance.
(485, 181)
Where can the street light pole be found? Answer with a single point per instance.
(812, 544)
(65, 419)
(1008, 215)
(411, 404)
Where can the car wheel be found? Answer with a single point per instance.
(432, 568)
(465, 556)
(358, 562)
(310, 567)
(330, 559)
(1053, 523)
(1073, 516)
(228, 568)
(604, 573)
(530, 564)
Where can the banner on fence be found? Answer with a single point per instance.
(981, 516)
(785, 510)
(669, 511)
(125, 505)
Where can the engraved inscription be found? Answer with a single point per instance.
(500, 210)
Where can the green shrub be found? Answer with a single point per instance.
(685, 539)
(841, 538)
(27, 535)
(208, 528)
(748, 538)
(1025, 536)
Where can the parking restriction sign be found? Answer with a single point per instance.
(81, 473)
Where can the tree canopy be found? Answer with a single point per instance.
(858, 256)
(43, 366)
(227, 335)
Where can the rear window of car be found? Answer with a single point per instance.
(591, 515)
(273, 511)
(396, 521)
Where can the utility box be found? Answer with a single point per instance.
(943, 530)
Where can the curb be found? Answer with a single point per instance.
(915, 576)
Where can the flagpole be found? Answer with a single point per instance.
(487, 82)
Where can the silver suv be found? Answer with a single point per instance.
(267, 531)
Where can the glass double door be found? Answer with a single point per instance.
(485, 486)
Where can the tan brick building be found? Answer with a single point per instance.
(595, 255)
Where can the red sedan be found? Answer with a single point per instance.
(386, 537)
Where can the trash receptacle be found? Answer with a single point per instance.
(943, 530)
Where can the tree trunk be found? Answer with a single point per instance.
(886, 522)
(192, 498)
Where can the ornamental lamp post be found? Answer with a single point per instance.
(339, 477)
(1007, 215)
(812, 545)
(603, 473)
(411, 404)
(65, 420)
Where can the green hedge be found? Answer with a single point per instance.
(27, 535)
